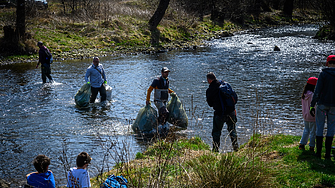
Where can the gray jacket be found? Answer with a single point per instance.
(95, 75)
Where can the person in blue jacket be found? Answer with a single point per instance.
(324, 97)
(95, 76)
(43, 178)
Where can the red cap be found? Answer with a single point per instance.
(312, 80)
(331, 58)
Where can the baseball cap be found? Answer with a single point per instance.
(331, 58)
(39, 43)
(312, 80)
(165, 69)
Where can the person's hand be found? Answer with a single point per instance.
(88, 82)
(147, 102)
(105, 82)
(312, 111)
(37, 66)
(173, 94)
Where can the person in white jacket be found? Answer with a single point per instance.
(309, 120)
(78, 177)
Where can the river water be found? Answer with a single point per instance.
(42, 119)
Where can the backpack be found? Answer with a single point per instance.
(115, 182)
(228, 97)
(48, 56)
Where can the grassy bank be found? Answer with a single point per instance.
(125, 30)
(265, 161)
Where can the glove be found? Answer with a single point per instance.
(173, 94)
(88, 82)
(105, 82)
(312, 111)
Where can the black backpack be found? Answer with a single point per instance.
(48, 57)
(228, 97)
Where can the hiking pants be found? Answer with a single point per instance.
(95, 91)
(218, 121)
(46, 72)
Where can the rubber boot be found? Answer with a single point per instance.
(328, 145)
(319, 141)
(216, 146)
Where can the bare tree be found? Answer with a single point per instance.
(20, 19)
(288, 8)
(156, 19)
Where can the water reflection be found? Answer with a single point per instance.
(41, 119)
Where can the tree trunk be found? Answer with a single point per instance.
(155, 20)
(20, 19)
(288, 8)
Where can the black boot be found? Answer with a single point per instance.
(216, 146)
(319, 141)
(328, 145)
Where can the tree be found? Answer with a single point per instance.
(288, 8)
(20, 19)
(156, 19)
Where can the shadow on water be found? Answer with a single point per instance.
(36, 118)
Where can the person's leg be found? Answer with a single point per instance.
(161, 109)
(48, 73)
(94, 93)
(44, 78)
(305, 136)
(320, 123)
(231, 127)
(312, 128)
(330, 113)
(103, 94)
(218, 122)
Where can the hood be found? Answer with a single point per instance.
(308, 94)
(330, 71)
(46, 176)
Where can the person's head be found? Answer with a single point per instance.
(41, 163)
(165, 72)
(39, 44)
(83, 159)
(210, 77)
(310, 86)
(330, 61)
(96, 61)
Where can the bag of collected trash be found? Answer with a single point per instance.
(82, 97)
(177, 114)
(146, 119)
(108, 92)
(115, 182)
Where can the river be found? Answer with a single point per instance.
(42, 119)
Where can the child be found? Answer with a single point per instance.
(78, 177)
(43, 177)
(309, 120)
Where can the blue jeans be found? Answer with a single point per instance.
(309, 131)
(322, 112)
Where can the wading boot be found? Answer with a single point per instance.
(311, 149)
(328, 145)
(301, 147)
(216, 146)
(319, 141)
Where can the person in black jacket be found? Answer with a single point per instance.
(324, 97)
(227, 116)
(45, 62)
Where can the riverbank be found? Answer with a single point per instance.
(78, 38)
(264, 161)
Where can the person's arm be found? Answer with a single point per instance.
(87, 75)
(103, 74)
(317, 91)
(171, 91)
(148, 94)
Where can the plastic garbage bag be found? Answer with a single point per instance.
(108, 92)
(82, 97)
(177, 113)
(146, 120)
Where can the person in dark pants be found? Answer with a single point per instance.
(324, 97)
(227, 116)
(45, 62)
(161, 87)
(95, 75)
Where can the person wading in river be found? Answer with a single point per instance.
(161, 86)
(324, 97)
(44, 60)
(95, 76)
(220, 116)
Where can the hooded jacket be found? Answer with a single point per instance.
(305, 106)
(324, 93)
(41, 180)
